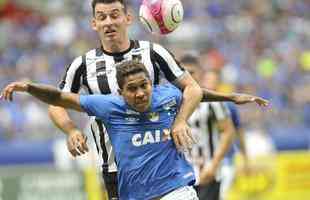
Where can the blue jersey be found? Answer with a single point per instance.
(148, 162)
(235, 118)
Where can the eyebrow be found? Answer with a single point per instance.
(115, 9)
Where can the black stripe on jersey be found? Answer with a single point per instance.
(102, 144)
(178, 62)
(84, 75)
(118, 58)
(137, 56)
(76, 83)
(102, 77)
(164, 66)
(94, 136)
(210, 129)
(62, 83)
(155, 66)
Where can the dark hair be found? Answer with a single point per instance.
(94, 3)
(190, 58)
(127, 68)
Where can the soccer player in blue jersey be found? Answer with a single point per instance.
(138, 123)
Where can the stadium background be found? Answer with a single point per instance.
(261, 47)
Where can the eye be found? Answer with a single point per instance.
(115, 14)
(144, 85)
(101, 17)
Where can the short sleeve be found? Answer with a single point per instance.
(72, 78)
(220, 110)
(97, 105)
(170, 67)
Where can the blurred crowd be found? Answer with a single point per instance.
(260, 47)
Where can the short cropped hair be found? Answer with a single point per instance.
(190, 58)
(94, 3)
(127, 68)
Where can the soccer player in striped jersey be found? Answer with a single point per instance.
(213, 130)
(95, 72)
(138, 123)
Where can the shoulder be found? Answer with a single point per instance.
(164, 92)
(167, 89)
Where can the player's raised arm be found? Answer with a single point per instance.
(44, 93)
(238, 98)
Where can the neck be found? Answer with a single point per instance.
(116, 46)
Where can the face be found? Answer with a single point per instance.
(194, 70)
(111, 22)
(137, 91)
(210, 80)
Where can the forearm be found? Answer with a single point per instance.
(225, 143)
(192, 96)
(211, 95)
(61, 119)
(242, 144)
(53, 96)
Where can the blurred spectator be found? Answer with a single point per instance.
(262, 46)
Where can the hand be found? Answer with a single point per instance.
(182, 136)
(207, 174)
(77, 143)
(246, 98)
(7, 92)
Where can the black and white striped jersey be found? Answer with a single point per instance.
(95, 72)
(204, 127)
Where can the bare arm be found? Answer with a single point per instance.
(227, 131)
(192, 95)
(53, 96)
(238, 98)
(76, 141)
(241, 137)
(61, 119)
(50, 95)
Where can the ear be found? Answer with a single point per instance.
(93, 24)
(129, 18)
(120, 91)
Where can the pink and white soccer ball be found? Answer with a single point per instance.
(161, 16)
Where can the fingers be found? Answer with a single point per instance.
(176, 141)
(77, 144)
(183, 138)
(261, 101)
(7, 93)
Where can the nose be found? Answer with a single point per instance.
(108, 20)
(140, 93)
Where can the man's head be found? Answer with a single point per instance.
(211, 79)
(135, 84)
(191, 64)
(111, 20)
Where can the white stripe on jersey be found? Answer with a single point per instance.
(111, 74)
(91, 70)
(169, 59)
(71, 73)
(102, 78)
(203, 123)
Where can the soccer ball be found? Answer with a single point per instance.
(161, 16)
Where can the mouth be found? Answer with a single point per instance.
(110, 32)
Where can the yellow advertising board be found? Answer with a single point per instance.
(285, 176)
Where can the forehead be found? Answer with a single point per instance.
(135, 79)
(108, 7)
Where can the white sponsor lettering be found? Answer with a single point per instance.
(150, 137)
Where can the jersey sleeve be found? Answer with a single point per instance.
(72, 79)
(166, 62)
(96, 105)
(220, 110)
